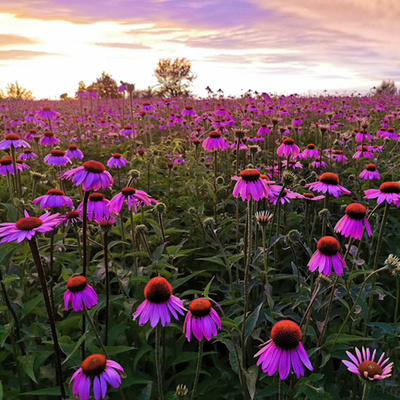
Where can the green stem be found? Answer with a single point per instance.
(107, 283)
(159, 362)
(365, 391)
(396, 311)
(42, 279)
(355, 303)
(198, 368)
(377, 251)
(246, 277)
(95, 331)
(265, 257)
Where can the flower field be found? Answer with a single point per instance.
(219, 248)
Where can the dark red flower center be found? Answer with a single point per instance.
(371, 367)
(390, 187)
(147, 104)
(96, 197)
(128, 191)
(286, 335)
(46, 108)
(188, 108)
(356, 130)
(58, 153)
(94, 365)
(94, 166)
(390, 130)
(328, 246)
(371, 167)
(250, 175)
(265, 177)
(309, 195)
(28, 223)
(6, 161)
(158, 290)
(329, 178)
(356, 211)
(117, 155)
(288, 141)
(214, 135)
(49, 134)
(12, 136)
(72, 147)
(311, 146)
(77, 284)
(56, 192)
(200, 307)
(337, 152)
(72, 214)
(127, 128)
(28, 151)
(32, 131)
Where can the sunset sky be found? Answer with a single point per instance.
(278, 46)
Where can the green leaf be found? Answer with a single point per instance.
(27, 364)
(207, 289)
(10, 279)
(251, 380)
(1, 390)
(44, 392)
(229, 323)
(214, 260)
(251, 321)
(382, 325)
(181, 281)
(76, 347)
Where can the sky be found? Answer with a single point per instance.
(273, 46)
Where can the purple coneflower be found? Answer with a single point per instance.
(134, 197)
(363, 152)
(72, 217)
(55, 198)
(214, 142)
(28, 227)
(318, 163)
(92, 175)
(74, 152)
(388, 191)
(310, 152)
(49, 139)
(311, 197)
(47, 113)
(353, 222)
(250, 185)
(116, 161)
(338, 156)
(288, 149)
(188, 111)
(264, 130)
(6, 166)
(28, 154)
(97, 207)
(370, 173)
(160, 303)
(202, 320)
(57, 158)
(100, 371)
(327, 256)
(328, 182)
(285, 195)
(126, 131)
(80, 293)
(365, 366)
(284, 351)
(13, 140)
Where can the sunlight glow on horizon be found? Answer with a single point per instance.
(63, 53)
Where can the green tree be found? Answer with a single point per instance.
(17, 92)
(174, 77)
(106, 87)
(386, 87)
